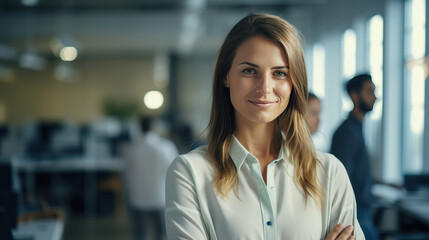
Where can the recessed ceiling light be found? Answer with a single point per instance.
(68, 54)
(29, 3)
(153, 99)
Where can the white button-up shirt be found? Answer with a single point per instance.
(275, 210)
(146, 161)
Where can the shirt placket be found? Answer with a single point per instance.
(266, 198)
(271, 186)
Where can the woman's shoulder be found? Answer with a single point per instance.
(196, 156)
(195, 161)
(330, 163)
(332, 174)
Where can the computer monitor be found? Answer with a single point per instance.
(416, 182)
(5, 229)
(9, 203)
(5, 176)
(8, 198)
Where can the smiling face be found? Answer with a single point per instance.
(259, 81)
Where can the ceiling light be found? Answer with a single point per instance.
(68, 54)
(153, 99)
(29, 3)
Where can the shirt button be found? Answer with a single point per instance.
(276, 161)
(269, 223)
(273, 188)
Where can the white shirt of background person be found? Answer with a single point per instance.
(147, 159)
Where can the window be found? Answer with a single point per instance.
(375, 54)
(319, 70)
(372, 125)
(349, 50)
(349, 64)
(414, 95)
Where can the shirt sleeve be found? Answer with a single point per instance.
(182, 211)
(343, 203)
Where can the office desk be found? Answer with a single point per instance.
(41, 229)
(87, 165)
(78, 164)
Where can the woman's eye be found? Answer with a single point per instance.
(280, 74)
(249, 71)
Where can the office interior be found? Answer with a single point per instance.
(75, 75)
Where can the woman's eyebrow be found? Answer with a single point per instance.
(256, 66)
(280, 67)
(251, 64)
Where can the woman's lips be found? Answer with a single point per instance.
(262, 103)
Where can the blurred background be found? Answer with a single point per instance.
(75, 75)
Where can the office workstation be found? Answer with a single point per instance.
(77, 76)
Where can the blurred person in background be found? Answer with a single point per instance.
(146, 159)
(260, 176)
(313, 112)
(314, 106)
(348, 145)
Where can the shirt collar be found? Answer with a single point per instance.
(239, 153)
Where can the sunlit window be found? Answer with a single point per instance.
(319, 70)
(349, 50)
(415, 76)
(374, 60)
(375, 55)
(349, 63)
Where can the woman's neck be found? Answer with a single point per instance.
(261, 140)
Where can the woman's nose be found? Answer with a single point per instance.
(265, 84)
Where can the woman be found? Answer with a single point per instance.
(259, 177)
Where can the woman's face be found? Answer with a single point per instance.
(313, 113)
(259, 81)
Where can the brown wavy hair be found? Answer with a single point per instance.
(292, 122)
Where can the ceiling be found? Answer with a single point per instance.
(124, 27)
(149, 4)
